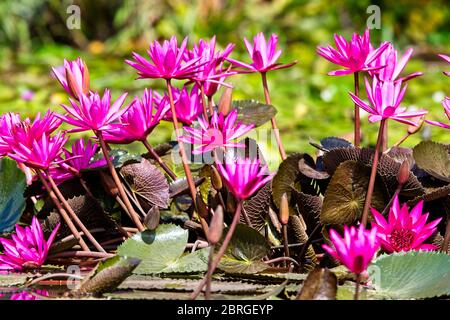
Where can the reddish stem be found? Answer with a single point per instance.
(446, 242)
(357, 285)
(80, 254)
(160, 161)
(373, 173)
(221, 251)
(184, 159)
(73, 215)
(273, 120)
(62, 212)
(115, 176)
(285, 241)
(357, 134)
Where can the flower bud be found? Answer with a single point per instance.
(403, 172)
(284, 209)
(86, 79)
(151, 220)
(216, 180)
(216, 226)
(226, 101)
(415, 129)
(202, 209)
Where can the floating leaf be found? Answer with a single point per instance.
(434, 158)
(311, 172)
(257, 207)
(14, 279)
(333, 158)
(411, 275)
(401, 154)
(321, 284)
(148, 182)
(180, 186)
(119, 158)
(12, 187)
(297, 234)
(344, 199)
(245, 251)
(190, 263)
(254, 112)
(331, 143)
(157, 249)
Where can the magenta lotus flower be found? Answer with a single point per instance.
(188, 105)
(42, 153)
(404, 231)
(219, 132)
(74, 77)
(26, 295)
(393, 67)
(76, 161)
(93, 112)
(385, 98)
(356, 249)
(210, 73)
(446, 58)
(167, 61)
(139, 120)
(8, 122)
(355, 55)
(244, 177)
(264, 55)
(27, 248)
(446, 104)
(27, 95)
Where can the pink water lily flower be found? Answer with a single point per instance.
(8, 122)
(27, 248)
(244, 177)
(355, 55)
(356, 249)
(393, 67)
(93, 112)
(385, 98)
(210, 73)
(42, 153)
(446, 104)
(188, 105)
(264, 55)
(139, 120)
(74, 162)
(446, 58)
(403, 230)
(167, 61)
(73, 77)
(219, 132)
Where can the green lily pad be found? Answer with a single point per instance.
(245, 251)
(254, 112)
(190, 263)
(411, 275)
(12, 187)
(158, 249)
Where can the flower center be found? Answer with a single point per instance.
(402, 239)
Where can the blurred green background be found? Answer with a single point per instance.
(34, 37)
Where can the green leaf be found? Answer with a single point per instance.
(190, 263)
(411, 275)
(119, 158)
(254, 112)
(14, 279)
(434, 158)
(245, 251)
(12, 187)
(158, 249)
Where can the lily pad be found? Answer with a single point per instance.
(12, 187)
(245, 251)
(254, 112)
(194, 262)
(344, 199)
(434, 158)
(411, 275)
(148, 182)
(119, 158)
(158, 249)
(257, 207)
(321, 284)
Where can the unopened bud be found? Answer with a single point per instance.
(284, 209)
(151, 220)
(86, 79)
(403, 172)
(72, 83)
(202, 209)
(225, 101)
(216, 180)
(414, 129)
(109, 184)
(216, 226)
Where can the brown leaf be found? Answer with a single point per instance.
(148, 182)
(321, 284)
(257, 207)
